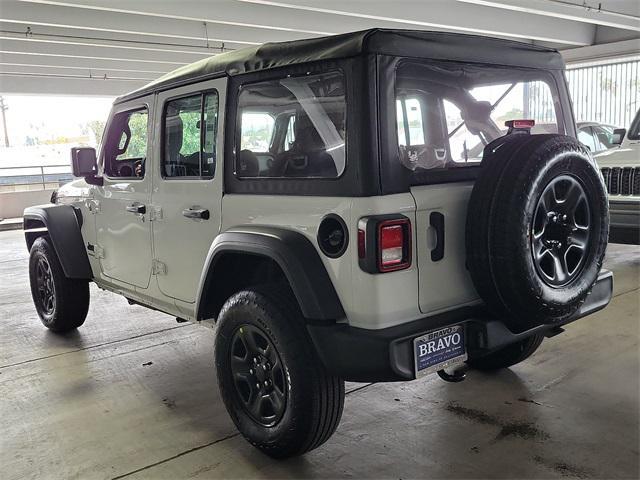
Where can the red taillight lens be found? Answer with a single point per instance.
(394, 240)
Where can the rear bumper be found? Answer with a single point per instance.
(362, 355)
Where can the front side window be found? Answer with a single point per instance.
(446, 113)
(292, 127)
(190, 125)
(125, 149)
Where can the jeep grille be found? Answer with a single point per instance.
(622, 181)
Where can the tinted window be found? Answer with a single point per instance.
(446, 114)
(125, 149)
(292, 128)
(190, 125)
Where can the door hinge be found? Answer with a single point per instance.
(95, 250)
(155, 213)
(158, 268)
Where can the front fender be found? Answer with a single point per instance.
(62, 224)
(296, 256)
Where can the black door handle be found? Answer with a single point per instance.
(436, 219)
(138, 208)
(197, 213)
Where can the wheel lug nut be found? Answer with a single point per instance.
(251, 371)
(255, 360)
(258, 386)
(266, 383)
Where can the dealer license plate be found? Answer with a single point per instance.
(439, 349)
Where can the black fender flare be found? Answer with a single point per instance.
(62, 223)
(296, 256)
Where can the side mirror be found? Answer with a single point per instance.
(618, 136)
(85, 164)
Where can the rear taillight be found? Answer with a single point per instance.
(384, 243)
(394, 241)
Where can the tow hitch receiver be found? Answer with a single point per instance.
(459, 374)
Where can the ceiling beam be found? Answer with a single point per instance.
(585, 13)
(62, 71)
(40, 85)
(140, 26)
(89, 63)
(445, 15)
(91, 49)
(338, 16)
(607, 52)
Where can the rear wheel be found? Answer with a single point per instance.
(62, 303)
(272, 382)
(509, 355)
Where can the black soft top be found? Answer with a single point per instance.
(401, 43)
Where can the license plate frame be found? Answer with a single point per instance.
(439, 349)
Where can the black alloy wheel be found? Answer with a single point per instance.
(45, 286)
(258, 375)
(62, 303)
(273, 384)
(560, 231)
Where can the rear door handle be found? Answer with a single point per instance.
(196, 213)
(436, 219)
(137, 208)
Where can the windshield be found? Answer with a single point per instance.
(447, 113)
(634, 129)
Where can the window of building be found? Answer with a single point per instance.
(190, 125)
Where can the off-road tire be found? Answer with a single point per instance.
(314, 398)
(509, 355)
(69, 303)
(516, 171)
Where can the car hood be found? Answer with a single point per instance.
(619, 157)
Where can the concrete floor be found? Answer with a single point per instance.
(133, 394)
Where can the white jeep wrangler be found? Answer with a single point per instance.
(339, 208)
(620, 168)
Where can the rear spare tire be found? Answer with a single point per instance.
(537, 228)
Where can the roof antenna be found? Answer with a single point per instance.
(28, 33)
(222, 47)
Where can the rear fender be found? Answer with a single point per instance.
(292, 252)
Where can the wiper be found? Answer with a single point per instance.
(506, 92)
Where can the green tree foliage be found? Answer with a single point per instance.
(137, 147)
(97, 127)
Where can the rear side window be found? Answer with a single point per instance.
(446, 114)
(292, 127)
(189, 133)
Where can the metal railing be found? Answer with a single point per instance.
(46, 176)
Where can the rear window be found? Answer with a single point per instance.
(292, 127)
(447, 113)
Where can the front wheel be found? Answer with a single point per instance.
(62, 303)
(272, 382)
